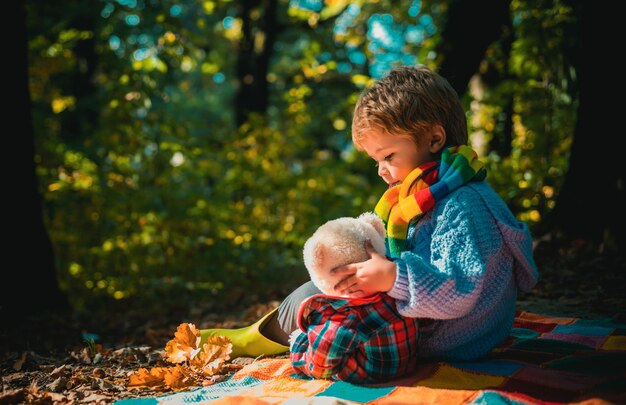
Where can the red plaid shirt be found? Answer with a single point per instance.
(360, 340)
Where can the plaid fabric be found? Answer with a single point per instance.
(356, 340)
(422, 188)
(546, 361)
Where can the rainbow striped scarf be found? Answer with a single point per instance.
(429, 182)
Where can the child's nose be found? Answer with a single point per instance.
(382, 169)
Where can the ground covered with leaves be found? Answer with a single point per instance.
(98, 358)
(129, 356)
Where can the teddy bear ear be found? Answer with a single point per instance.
(318, 253)
(373, 220)
(313, 253)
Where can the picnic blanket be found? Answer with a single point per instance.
(546, 360)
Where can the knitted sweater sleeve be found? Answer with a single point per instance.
(443, 276)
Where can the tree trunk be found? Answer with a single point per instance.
(469, 29)
(253, 58)
(30, 285)
(591, 204)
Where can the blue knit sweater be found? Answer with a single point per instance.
(465, 261)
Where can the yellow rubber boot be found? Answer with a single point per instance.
(248, 341)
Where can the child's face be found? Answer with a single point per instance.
(395, 156)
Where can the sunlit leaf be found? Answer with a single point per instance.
(215, 352)
(179, 377)
(184, 346)
(332, 8)
(154, 377)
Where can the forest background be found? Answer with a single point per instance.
(177, 154)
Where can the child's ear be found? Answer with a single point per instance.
(437, 139)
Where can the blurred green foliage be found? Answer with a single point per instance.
(152, 190)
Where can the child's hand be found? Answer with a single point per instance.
(377, 274)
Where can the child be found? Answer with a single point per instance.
(360, 340)
(457, 255)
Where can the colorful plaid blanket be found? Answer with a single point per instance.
(546, 360)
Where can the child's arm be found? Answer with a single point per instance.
(444, 278)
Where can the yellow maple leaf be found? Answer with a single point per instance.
(185, 344)
(144, 378)
(215, 352)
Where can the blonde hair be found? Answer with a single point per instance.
(408, 102)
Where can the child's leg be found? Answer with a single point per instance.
(270, 334)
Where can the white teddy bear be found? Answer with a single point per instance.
(337, 334)
(339, 242)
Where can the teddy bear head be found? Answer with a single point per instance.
(339, 242)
